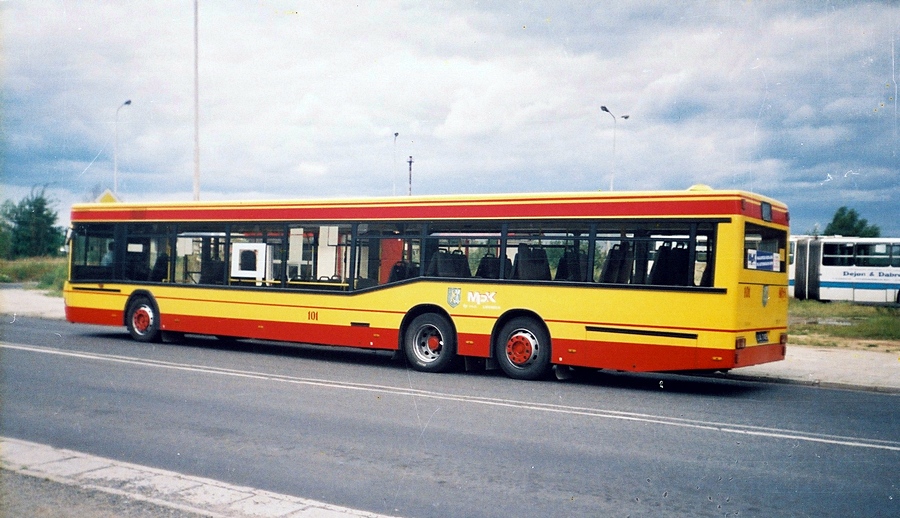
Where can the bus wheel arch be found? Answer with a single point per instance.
(428, 339)
(142, 317)
(521, 345)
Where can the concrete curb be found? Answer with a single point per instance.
(815, 383)
(198, 495)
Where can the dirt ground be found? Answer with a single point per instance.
(828, 340)
(861, 344)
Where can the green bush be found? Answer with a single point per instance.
(54, 279)
(33, 269)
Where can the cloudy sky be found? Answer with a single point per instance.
(796, 100)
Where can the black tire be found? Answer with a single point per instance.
(430, 343)
(523, 349)
(142, 320)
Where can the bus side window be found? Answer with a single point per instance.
(618, 264)
(318, 257)
(531, 263)
(93, 253)
(876, 254)
(672, 266)
(837, 254)
(160, 271)
(444, 263)
(572, 266)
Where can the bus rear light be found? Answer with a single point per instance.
(783, 339)
(740, 342)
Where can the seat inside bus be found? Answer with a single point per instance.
(531, 264)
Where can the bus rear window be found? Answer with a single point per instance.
(764, 248)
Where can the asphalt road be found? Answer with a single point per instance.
(361, 430)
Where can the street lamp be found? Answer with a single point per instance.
(613, 175)
(116, 151)
(410, 162)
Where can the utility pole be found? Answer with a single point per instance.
(116, 151)
(394, 170)
(196, 103)
(410, 162)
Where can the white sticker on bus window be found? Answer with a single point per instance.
(248, 260)
(766, 261)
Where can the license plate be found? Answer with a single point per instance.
(762, 337)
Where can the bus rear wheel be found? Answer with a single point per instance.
(430, 343)
(523, 349)
(143, 320)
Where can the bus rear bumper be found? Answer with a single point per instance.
(759, 354)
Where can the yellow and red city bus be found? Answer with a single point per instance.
(691, 280)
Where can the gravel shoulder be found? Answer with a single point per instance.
(24, 495)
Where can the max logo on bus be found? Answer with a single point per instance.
(475, 298)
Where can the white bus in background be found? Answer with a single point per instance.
(856, 269)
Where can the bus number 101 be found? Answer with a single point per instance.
(312, 315)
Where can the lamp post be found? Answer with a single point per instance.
(116, 151)
(410, 162)
(612, 176)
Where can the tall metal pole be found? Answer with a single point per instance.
(612, 176)
(394, 171)
(196, 105)
(116, 151)
(410, 161)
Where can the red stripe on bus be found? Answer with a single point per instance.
(323, 334)
(650, 357)
(564, 208)
(103, 317)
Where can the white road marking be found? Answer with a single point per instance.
(723, 427)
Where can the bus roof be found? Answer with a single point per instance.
(846, 239)
(695, 202)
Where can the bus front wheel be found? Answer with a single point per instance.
(143, 320)
(523, 349)
(430, 343)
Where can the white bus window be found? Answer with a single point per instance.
(876, 254)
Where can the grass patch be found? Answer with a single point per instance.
(816, 309)
(812, 340)
(844, 320)
(49, 273)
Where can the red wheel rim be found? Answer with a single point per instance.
(519, 349)
(142, 320)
